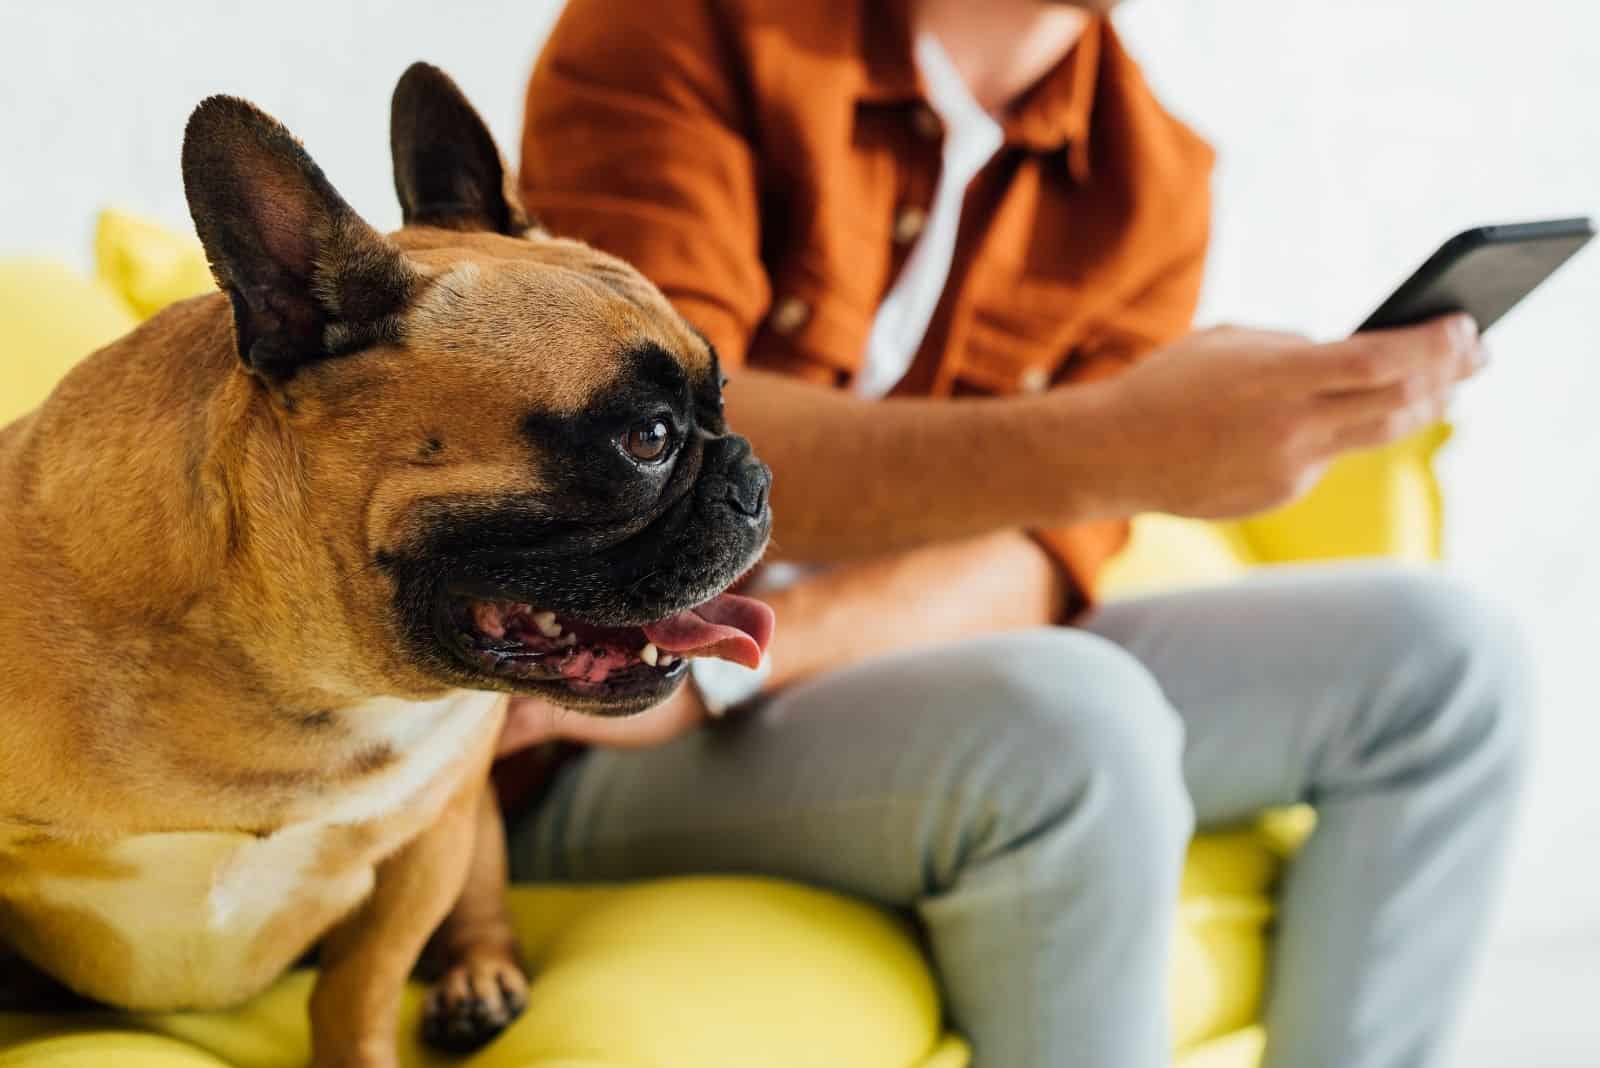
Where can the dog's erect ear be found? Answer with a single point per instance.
(307, 276)
(447, 170)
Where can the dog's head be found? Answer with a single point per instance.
(510, 447)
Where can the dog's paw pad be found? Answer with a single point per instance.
(472, 1003)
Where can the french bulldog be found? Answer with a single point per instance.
(274, 561)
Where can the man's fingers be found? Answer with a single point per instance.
(1382, 358)
(1476, 360)
(1381, 427)
(1372, 416)
(1368, 405)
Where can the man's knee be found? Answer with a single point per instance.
(1463, 686)
(1078, 740)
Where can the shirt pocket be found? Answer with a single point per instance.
(1127, 333)
(1020, 338)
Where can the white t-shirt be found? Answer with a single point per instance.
(972, 137)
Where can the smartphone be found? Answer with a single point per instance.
(1483, 272)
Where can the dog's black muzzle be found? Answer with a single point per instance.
(693, 550)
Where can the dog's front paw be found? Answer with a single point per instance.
(475, 999)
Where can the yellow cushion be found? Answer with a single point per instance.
(49, 319)
(1383, 502)
(1241, 1049)
(148, 264)
(104, 1049)
(1166, 552)
(682, 973)
(714, 972)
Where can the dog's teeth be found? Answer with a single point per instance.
(666, 660)
(546, 622)
(649, 654)
(568, 642)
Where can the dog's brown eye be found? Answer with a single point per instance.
(648, 441)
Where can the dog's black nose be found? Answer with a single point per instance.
(746, 479)
(748, 497)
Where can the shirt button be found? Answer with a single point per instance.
(1034, 380)
(789, 315)
(927, 123)
(908, 224)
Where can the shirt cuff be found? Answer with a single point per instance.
(1081, 552)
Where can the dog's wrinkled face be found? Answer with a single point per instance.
(517, 444)
(574, 487)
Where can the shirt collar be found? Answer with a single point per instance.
(1055, 113)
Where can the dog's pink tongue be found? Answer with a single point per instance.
(729, 627)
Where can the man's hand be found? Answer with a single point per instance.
(530, 721)
(1229, 421)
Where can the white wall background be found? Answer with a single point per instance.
(1355, 135)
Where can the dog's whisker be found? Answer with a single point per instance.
(633, 587)
(344, 578)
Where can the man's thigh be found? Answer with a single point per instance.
(1277, 675)
(849, 779)
(876, 779)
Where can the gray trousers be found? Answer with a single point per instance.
(1030, 795)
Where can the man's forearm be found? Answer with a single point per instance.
(939, 593)
(855, 478)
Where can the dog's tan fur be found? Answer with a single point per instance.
(196, 781)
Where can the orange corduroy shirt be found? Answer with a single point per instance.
(770, 165)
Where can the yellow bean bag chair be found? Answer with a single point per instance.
(718, 972)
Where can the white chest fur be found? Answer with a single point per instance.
(429, 738)
(203, 919)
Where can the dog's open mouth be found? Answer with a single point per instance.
(524, 643)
